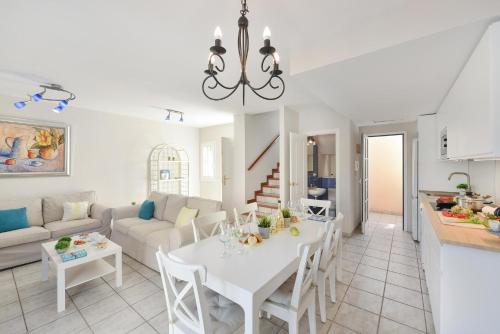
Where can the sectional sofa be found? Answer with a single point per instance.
(140, 238)
(45, 219)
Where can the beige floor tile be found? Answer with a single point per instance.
(10, 311)
(364, 300)
(142, 269)
(374, 262)
(37, 287)
(353, 249)
(47, 314)
(160, 323)
(8, 294)
(120, 322)
(151, 306)
(138, 292)
(346, 277)
(128, 280)
(423, 284)
(403, 280)
(377, 254)
(354, 257)
(69, 324)
(350, 266)
(427, 302)
(92, 295)
(338, 329)
(429, 323)
(404, 245)
(372, 272)
(379, 247)
(13, 326)
(404, 269)
(145, 328)
(43, 299)
(102, 309)
(357, 242)
(35, 267)
(6, 276)
(403, 295)
(85, 286)
(387, 326)
(409, 261)
(368, 284)
(356, 319)
(404, 314)
(404, 251)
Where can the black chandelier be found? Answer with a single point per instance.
(270, 64)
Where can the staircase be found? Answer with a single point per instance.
(268, 195)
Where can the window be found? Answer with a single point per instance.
(208, 155)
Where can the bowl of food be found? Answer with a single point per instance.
(63, 245)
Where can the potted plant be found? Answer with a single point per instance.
(264, 226)
(462, 188)
(286, 216)
(47, 142)
(63, 244)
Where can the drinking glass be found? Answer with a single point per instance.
(225, 238)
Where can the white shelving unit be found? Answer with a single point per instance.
(169, 170)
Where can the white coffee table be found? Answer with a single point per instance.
(84, 269)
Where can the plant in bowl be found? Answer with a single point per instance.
(462, 188)
(286, 216)
(63, 244)
(264, 226)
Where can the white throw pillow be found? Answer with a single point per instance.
(75, 210)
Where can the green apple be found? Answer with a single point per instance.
(294, 231)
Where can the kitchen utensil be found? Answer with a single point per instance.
(475, 204)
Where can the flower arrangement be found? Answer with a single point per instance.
(47, 141)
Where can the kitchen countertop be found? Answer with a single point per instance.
(455, 235)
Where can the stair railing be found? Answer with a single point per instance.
(263, 152)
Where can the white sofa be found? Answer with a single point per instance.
(140, 238)
(45, 223)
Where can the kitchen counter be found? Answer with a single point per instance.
(456, 235)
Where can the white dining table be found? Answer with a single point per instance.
(248, 279)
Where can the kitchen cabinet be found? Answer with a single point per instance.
(462, 280)
(470, 113)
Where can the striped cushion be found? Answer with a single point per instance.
(185, 216)
(75, 210)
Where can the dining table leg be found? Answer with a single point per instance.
(251, 317)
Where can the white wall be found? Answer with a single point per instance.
(260, 130)
(109, 154)
(212, 189)
(316, 119)
(239, 161)
(289, 122)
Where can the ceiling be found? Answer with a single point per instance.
(370, 60)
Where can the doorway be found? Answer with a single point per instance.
(384, 179)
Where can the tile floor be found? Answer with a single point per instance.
(382, 291)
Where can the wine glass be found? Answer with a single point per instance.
(225, 238)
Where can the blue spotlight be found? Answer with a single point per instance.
(37, 97)
(20, 104)
(63, 104)
(58, 109)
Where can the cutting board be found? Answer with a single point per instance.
(459, 222)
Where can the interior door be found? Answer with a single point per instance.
(227, 172)
(364, 182)
(298, 166)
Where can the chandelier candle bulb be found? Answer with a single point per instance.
(267, 33)
(276, 58)
(218, 33)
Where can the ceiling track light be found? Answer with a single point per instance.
(173, 111)
(40, 96)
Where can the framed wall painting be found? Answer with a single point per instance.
(34, 148)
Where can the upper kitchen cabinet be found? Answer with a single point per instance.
(470, 113)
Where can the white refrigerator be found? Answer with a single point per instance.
(429, 171)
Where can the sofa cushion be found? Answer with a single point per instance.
(33, 207)
(174, 205)
(160, 200)
(13, 219)
(23, 236)
(185, 217)
(142, 231)
(124, 225)
(53, 206)
(75, 210)
(204, 206)
(71, 227)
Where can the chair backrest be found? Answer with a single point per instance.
(251, 209)
(210, 222)
(306, 275)
(187, 306)
(331, 242)
(307, 203)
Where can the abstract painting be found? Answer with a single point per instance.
(33, 148)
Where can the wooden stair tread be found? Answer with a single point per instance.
(267, 205)
(267, 195)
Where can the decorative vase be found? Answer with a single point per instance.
(461, 192)
(264, 232)
(287, 222)
(47, 153)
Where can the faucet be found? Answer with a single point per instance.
(462, 173)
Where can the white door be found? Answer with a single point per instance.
(227, 171)
(364, 181)
(298, 167)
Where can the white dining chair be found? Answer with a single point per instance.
(192, 308)
(208, 225)
(251, 209)
(308, 203)
(295, 297)
(328, 264)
